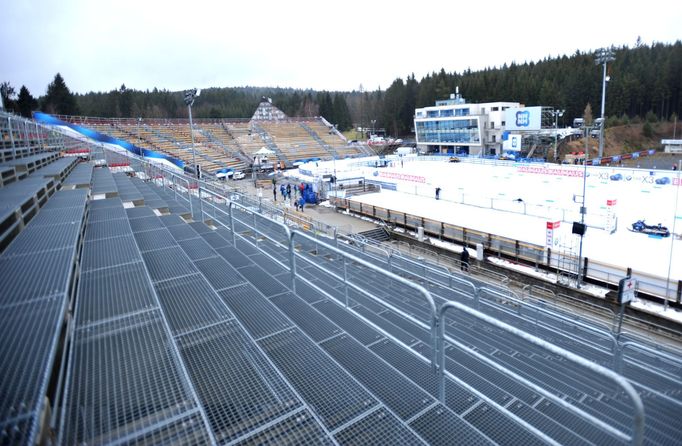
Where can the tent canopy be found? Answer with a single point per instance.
(264, 151)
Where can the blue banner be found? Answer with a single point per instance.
(44, 118)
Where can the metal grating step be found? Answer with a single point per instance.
(258, 316)
(376, 429)
(237, 386)
(234, 256)
(112, 292)
(197, 248)
(109, 252)
(171, 220)
(145, 223)
(156, 239)
(499, 427)
(306, 317)
(123, 379)
(400, 395)
(215, 240)
(106, 203)
(57, 216)
(246, 248)
(326, 387)
(200, 227)
(106, 229)
(420, 372)
(190, 303)
(301, 428)
(186, 431)
(20, 282)
(219, 273)
(182, 232)
(349, 323)
(106, 213)
(303, 289)
(164, 264)
(67, 198)
(29, 335)
(269, 265)
(557, 429)
(397, 332)
(140, 211)
(485, 378)
(17, 431)
(439, 426)
(262, 280)
(38, 239)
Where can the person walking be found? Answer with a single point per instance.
(464, 259)
(301, 203)
(289, 190)
(274, 192)
(438, 193)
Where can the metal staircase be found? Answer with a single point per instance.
(319, 140)
(265, 136)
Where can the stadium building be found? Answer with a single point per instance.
(454, 126)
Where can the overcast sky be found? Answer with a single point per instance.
(97, 45)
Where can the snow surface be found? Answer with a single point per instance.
(484, 196)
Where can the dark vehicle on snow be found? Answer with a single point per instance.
(641, 226)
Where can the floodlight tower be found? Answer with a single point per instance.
(190, 95)
(603, 56)
(557, 115)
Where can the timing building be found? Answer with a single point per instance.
(454, 126)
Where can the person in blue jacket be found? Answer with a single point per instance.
(301, 203)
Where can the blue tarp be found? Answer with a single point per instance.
(44, 118)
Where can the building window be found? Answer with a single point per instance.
(504, 123)
(496, 109)
(494, 138)
(492, 124)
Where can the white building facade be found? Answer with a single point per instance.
(453, 126)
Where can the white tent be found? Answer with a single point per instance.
(264, 151)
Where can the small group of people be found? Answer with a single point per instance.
(286, 190)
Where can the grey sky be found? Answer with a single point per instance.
(99, 45)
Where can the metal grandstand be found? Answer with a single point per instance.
(139, 309)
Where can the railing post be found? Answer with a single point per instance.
(439, 348)
(234, 237)
(345, 280)
(189, 196)
(11, 137)
(292, 258)
(201, 206)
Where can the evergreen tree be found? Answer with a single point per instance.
(7, 92)
(326, 105)
(341, 113)
(26, 103)
(59, 100)
(393, 105)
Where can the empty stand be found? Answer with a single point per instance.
(244, 331)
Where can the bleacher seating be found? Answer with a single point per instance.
(184, 332)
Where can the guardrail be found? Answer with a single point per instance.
(514, 249)
(220, 205)
(638, 408)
